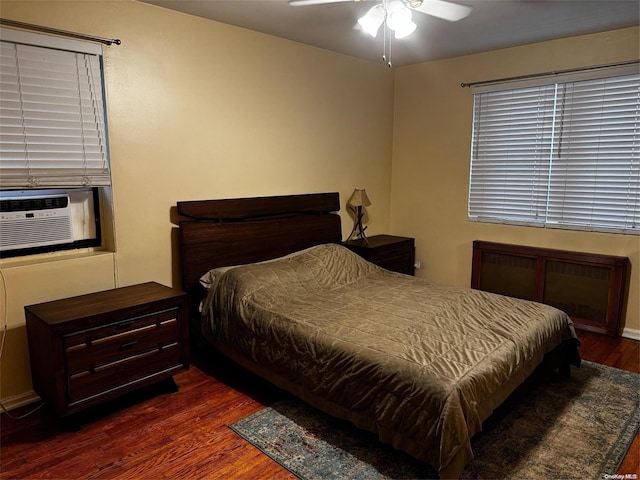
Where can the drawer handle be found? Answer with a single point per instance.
(128, 345)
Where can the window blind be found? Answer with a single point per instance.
(512, 142)
(52, 119)
(596, 172)
(562, 155)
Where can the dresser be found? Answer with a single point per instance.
(88, 349)
(387, 251)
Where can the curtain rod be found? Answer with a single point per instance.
(546, 74)
(40, 28)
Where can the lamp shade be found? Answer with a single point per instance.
(359, 198)
(405, 30)
(372, 20)
(397, 15)
(399, 19)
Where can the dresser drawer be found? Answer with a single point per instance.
(123, 372)
(86, 350)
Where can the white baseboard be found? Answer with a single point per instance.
(21, 400)
(631, 333)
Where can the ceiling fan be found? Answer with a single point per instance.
(396, 14)
(436, 8)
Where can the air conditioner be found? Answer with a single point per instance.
(34, 219)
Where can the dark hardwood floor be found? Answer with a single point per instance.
(154, 434)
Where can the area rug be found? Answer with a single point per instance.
(564, 428)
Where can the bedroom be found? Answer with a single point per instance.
(224, 112)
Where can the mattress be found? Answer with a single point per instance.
(419, 364)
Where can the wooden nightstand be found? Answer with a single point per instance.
(387, 251)
(88, 349)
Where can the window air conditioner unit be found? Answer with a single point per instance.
(34, 219)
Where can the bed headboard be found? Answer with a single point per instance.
(218, 233)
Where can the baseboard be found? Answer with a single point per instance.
(631, 333)
(21, 400)
(26, 398)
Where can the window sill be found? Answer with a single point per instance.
(53, 257)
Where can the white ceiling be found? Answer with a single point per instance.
(492, 24)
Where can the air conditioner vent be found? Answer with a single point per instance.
(28, 221)
(23, 204)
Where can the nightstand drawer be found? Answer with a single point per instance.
(391, 251)
(120, 340)
(119, 373)
(401, 263)
(387, 251)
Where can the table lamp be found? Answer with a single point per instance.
(357, 201)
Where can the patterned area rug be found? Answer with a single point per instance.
(579, 428)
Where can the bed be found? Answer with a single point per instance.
(420, 365)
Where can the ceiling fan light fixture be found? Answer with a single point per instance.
(399, 19)
(372, 20)
(397, 15)
(405, 30)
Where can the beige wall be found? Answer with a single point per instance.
(199, 109)
(196, 110)
(432, 141)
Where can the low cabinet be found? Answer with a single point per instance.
(91, 348)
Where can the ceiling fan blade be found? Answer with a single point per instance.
(301, 3)
(441, 9)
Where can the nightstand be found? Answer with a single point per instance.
(387, 251)
(88, 349)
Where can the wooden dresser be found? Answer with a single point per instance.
(387, 251)
(88, 349)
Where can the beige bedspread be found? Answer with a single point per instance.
(419, 364)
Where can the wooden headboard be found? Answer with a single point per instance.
(218, 233)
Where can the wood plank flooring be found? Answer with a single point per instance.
(155, 435)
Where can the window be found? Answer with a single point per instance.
(563, 153)
(53, 142)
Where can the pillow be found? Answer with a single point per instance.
(210, 279)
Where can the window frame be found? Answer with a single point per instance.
(496, 186)
(100, 193)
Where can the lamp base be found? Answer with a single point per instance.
(357, 233)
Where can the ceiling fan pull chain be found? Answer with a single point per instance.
(384, 43)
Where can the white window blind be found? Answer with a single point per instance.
(596, 180)
(52, 119)
(512, 142)
(562, 155)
